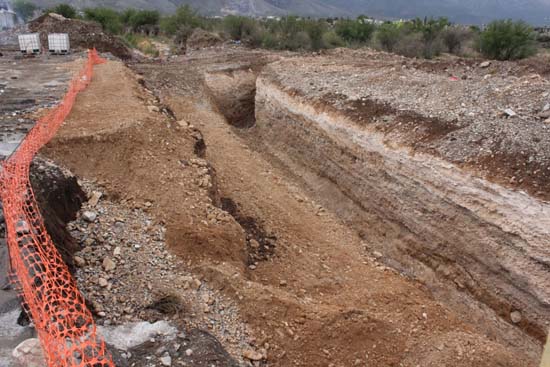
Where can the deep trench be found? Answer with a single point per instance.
(300, 146)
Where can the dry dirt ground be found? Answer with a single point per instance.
(303, 284)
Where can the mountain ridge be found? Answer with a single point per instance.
(536, 12)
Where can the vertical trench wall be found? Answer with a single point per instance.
(426, 216)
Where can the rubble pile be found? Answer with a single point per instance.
(127, 275)
(82, 34)
(202, 39)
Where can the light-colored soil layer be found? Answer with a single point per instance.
(453, 109)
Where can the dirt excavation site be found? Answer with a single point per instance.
(237, 207)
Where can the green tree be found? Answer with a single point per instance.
(64, 9)
(185, 16)
(243, 29)
(109, 19)
(508, 40)
(142, 18)
(24, 8)
(359, 30)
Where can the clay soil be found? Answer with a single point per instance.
(303, 282)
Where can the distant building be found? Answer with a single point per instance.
(7, 19)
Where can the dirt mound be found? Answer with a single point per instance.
(202, 39)
(82, 34)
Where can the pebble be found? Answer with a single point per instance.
(189, 352)
(166, 360)
(80, 262)
(252, 355)
(89, 216)
(94, 198)
(510, 112)
(485, 64)
(108, 264)
(516, 317)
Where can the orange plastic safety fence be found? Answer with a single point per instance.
(50, 296)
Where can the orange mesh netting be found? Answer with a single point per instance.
(49, 293)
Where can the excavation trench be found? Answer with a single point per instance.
(477, 245)
(299, 176)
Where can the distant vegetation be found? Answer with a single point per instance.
(423, 38)
(508, 40)
(24, 8)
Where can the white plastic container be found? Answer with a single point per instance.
(58, 43)
(29, 44)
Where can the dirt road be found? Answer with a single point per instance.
(303, 281)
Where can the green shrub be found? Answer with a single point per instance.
(24, 8)
(269, 41)
(410, 45)
(357, 31)
(243, 29)
(508, 40)
(64, 9)
(109, 19)
(388, 35)
(141, 18)
(332, 40)
(316, 29)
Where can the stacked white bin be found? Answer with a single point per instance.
(29, 44)
(58, 43)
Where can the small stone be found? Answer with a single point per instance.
(94, 198)
(254, 243)
(108, 264)
(153, 109)
(189, 352)
(103, 282)
(80, 262)
(485, 64)
(510, 112)
(196, 284)
(516, 317)
(117, 251)
(183, 123)
(166, 360)
(252, 355)
(89, 216)
(29, 354)
(283, 283)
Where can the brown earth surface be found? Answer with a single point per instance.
(304, 282)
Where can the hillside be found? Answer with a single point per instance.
(465, 11)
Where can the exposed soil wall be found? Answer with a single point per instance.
(59, 198)
(426, 216)
(233, 92)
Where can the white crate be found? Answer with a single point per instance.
(29, 43)
(58, 43)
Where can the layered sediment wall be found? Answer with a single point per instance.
(424, 215)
